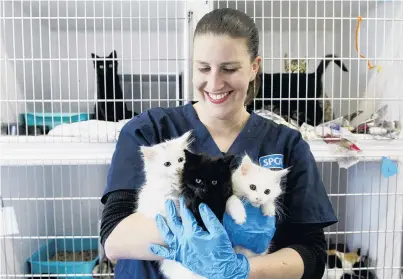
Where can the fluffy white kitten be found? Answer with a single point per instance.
(163, 164)
(260, 186)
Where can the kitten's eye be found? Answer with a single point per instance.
(110, 65)
(167, 164)
(101, 66)
(252, 187)
(198, 181)
(180, 160)
(214, 182)
(267, 191)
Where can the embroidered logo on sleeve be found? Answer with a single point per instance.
(273, 161)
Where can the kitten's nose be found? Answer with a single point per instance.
(258, 199)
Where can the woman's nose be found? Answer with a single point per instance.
(215, 83)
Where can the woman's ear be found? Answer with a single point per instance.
(255, 67)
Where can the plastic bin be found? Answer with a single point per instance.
(40, 263)
(52, 119)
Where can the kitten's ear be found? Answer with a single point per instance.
(281, 173)
(185, 139)
(113, 54)
(246, 165)
(228, 158)
(93, 61)
(148, 152)
(190, 156)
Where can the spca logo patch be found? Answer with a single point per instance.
(273, 161)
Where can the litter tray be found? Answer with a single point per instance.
(52, 119)
(55, 257)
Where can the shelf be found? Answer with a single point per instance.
(42, 150)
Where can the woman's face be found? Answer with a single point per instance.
(222, 70)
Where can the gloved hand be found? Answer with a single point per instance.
(207, 253)
(255, 233)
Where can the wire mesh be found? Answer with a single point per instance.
(74, 72)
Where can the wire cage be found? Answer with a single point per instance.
(73, 73)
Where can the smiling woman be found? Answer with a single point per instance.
(225, 67)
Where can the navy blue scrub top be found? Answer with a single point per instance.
(266, 142)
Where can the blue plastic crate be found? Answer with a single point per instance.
(40, 263)
(52, 119)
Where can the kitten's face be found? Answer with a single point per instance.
(166, 159)
(205, 176)
(258, 184)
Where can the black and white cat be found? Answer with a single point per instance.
(260, 186)
(204, 179)
(108, 88)
(295, 85)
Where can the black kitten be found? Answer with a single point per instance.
(109, 88)
(288, 85)
(208, 180)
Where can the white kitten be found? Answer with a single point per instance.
(163, 163)
(260, 186)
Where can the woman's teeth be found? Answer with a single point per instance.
(218, 96)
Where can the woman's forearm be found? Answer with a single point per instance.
(131, 238)
(285, 263)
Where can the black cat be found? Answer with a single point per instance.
(109, 85)
(208, 180)
(291, 87)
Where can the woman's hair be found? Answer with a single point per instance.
(236, 24)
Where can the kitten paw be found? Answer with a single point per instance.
(236, 210)
(240, 217)
(269, 209)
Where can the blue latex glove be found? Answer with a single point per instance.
(257, 231)
(207, 253)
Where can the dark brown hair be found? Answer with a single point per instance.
(236, 24)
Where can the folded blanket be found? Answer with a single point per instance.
(90, 130)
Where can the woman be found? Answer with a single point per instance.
(225, 67)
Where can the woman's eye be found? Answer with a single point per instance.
(214, 182)
(267, 191)
(203, 70)
(198, 181)
(230, 70)
(252, 187)
(180, 160)
(167, 164)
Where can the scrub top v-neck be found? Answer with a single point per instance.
(205, 143)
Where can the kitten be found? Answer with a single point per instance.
(208, 180)
(295, 85)
(204, 179)
(260, 186)
(163, 164)
(108, 87)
